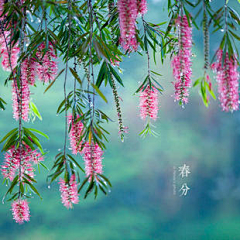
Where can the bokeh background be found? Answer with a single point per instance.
(142, 204)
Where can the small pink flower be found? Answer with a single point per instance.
(115, 62)
(181, 63)
(149, 103)
(69, 192)
(20, 211)
(227, 79)
(142, 6)
(93, 160)
(75, 134)
(47, 69)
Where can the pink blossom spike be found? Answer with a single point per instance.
(93, 160)
(21, 99)
(47, 70)
(181, 63)
(28, 70)
(149, 103)
(69, 192)
(10, 165)
(37, 157)
(20, 211)
(13, 57)
(128, 11)
(13, 156)
(75, 134)
(227, 79)
(142, 6)
(1, 8)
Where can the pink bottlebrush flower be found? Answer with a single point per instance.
(10, 165)
(47, 70)
(1, 8)
(149, 103)
(20, 211)
(93, 160)
(128, 11)
(181, 63)
(36, 157)
(142, 6)
(227, 79)
(21, 99)
(75, 134)
(28, 70)
(14, 51)
(13, 156)
(69, 192)
(115, 62)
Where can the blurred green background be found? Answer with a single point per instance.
(142, 204)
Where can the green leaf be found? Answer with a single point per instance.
(39, 132)
(99, 92)
(115, 74)
(106, 179)
(50, 85)
(10, 142)
(90, 188)
(14, 182)
(76, 76)
(197, 82)
(235, 35)
(55, 175)
(9, 134)
(34, 108)
(82, 185)
(32, 187)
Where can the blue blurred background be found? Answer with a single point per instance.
(142, 204)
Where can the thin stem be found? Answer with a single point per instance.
(75, 82)
(86, 70)
(114, 88)
(146, 50)
(225, 11)
(206, 37)
(22, 35)
(65, 79)
(90, 11)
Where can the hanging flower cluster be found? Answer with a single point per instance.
(28, 70)
(20, 211)
(75, 134)
(21, 100)
(69, 192)
(227, 79)
(23, 156)
(128, 11)
(7, 51)
(149, 103)
(181, 63)
(19, 164)
(93, 160)
(87, 40)
(47, 68)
